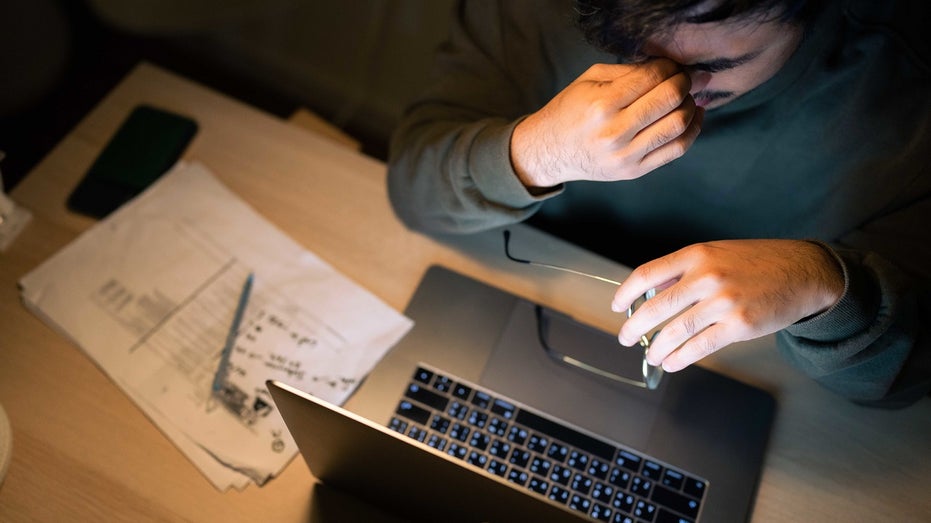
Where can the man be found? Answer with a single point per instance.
(801, 208)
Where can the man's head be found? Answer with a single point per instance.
(728, 47)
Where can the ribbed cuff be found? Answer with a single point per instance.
(853, 313)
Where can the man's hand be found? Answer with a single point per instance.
(714, 294)
(615, 122)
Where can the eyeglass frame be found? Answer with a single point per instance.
(652, 374)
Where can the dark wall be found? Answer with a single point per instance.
(355, 63)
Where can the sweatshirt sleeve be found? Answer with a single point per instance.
(873, 346)
(449, 161)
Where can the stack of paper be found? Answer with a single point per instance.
(150, 293)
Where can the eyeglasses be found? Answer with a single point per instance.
(652, 375)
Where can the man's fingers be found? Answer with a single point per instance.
(625, 84)
(655, 274)
(664, 98)
(700, 346)
(675, 148)
(665, 306)
(658, 127)
(682, 328)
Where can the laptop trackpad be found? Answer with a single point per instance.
(522, 369)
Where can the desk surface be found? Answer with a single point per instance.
(83, 451)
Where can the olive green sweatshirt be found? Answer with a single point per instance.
(836, 148)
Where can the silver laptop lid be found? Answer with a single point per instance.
(702, 422)
(392, 471)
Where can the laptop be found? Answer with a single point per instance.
(468, 418)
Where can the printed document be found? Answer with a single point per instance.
(150, 292)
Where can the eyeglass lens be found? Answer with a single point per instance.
(652, 375)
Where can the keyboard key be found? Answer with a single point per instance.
(503, 408)
(397, 425)
(577, 460)
(423, 376)
(413, 412)
(675, 501)
(560, 475)
(628, 460)
(498, 468)
(426, 396)
(457, 410)
(518, 476)
(541, 466)
(517, 435)
(582, 504)
(623, 502)
(602, 492)
(497, 426)
(557, 452)
(500, 448)
(439, 424)
(442, 383)
(598, 469)
(640, 486)
(673, 479)
(694, 487)
(519, 458)
(538, 443)
(437, 442)
(619, 478)
(457, 451)
(478, 418)
(481, 399)
(538, 485)
(459, 432)
(581, 484)
(462, 391)
(417, 433)
(477, 459)
(479, 440)
(600, 512)
(644, 510)
(652, 470)
(559, 495)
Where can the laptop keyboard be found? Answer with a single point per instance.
(544, 456)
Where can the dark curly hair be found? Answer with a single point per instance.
(621, 26)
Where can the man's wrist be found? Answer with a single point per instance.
(832, 275)
(525, 162)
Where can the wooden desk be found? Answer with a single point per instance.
(83, 452)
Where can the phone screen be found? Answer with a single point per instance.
(145, 146)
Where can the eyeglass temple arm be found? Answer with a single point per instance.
(542, 325)
(507, 252)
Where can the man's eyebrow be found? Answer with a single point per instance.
(723, 64)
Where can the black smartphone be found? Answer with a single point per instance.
(145, 146)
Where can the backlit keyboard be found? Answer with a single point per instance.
(544, 456)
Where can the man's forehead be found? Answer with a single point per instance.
(736, 41)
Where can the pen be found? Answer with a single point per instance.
(220, 376)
